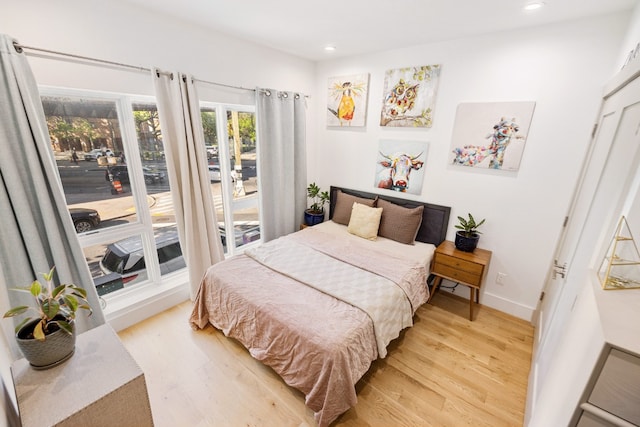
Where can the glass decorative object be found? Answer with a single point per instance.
(620, 268)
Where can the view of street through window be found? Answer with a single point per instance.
(118, 191)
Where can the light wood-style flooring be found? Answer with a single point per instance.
(444, 371)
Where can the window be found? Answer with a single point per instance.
(230, 141)
(110, 157)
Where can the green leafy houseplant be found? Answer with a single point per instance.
(469, 226)
(54, 306)
(468, 236)
(314, 214)
(318, 198)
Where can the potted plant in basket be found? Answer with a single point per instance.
(314, 214)
(468, 236)
(48, 338)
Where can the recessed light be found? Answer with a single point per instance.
(329, 48)
(534, 6)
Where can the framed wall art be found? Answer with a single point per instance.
(409, 96)
(400, 165)
(491, 135)
(347, 100)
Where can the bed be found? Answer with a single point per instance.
(319, 305)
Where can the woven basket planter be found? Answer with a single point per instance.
(55, 349)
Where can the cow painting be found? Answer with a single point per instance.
(397, 170)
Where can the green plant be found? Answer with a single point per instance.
(56, 306)
(469, 226)
(318, 197)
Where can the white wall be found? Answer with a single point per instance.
(561, 67)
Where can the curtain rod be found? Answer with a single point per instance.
(19, 48)
(223, 85)
(237, 87)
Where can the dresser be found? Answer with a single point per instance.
(613, 395)
(99, 386)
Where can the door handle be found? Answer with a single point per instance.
(559, 270)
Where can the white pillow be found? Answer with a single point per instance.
(364, 221)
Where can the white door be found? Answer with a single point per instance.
(610, 162)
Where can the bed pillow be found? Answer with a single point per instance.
(364, 221)
(344, 203)
(399, 223)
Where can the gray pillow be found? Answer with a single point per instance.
(344, 204)
(399, 223)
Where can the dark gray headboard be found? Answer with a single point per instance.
(435, 218)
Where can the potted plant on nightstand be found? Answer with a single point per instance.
(468, 235)
(48, 338)
(314, 214)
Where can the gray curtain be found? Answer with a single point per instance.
(37, 232)
(179, 112)
(282, 165)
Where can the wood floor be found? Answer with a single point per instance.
(444, 371)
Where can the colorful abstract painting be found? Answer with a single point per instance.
(400, 166)
(347, 100)
(491, 135)
(409, 96)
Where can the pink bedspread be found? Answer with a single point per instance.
(316, 343)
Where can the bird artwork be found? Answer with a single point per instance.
(349, 97)
(401, 98)
(409, 96)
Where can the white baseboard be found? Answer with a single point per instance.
(507, 306)
(496, 302)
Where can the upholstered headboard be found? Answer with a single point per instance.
(435, 218)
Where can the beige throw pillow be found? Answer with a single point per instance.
(364, 221)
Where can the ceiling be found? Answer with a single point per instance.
(303, 28)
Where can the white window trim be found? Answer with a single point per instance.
(131, 305)
(229, 204)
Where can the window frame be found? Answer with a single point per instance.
(156, 283)
(231, 205)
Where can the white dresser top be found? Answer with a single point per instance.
(620, 316)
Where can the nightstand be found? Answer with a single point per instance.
(466, 268)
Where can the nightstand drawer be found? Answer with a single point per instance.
(457, 274)
(460, 264)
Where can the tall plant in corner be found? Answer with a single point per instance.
(314, 214)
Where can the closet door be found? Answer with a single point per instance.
(606, 176)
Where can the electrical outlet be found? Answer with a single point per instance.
(501, 278)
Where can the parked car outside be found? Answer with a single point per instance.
(124, 259)
(126, 256)
(121, 173)
(95, 153)
(84, 219)
(212, 150)
(243, 234)
(215, 175)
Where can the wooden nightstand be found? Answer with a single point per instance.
(466, 268)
